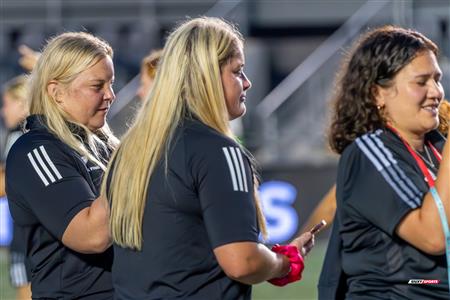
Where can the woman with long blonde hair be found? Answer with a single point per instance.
(54, 170)
(184, 217)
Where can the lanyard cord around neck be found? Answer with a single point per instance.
(433, 191)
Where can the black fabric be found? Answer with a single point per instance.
(19, 267)
(190, 210)
(332, 280)
(378, 183)
(47, 184)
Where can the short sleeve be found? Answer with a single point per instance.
(45, 180)
(224, 180)
(378, 186)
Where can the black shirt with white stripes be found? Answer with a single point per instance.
(203, 201)
(378, 183)
(47, 184)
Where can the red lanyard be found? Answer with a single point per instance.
(419, 160)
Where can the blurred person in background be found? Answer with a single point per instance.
(14, 111)
(28, 57)
(326, 208)
(54, 170)
(185, 217)
(149, 65)
(394, 165)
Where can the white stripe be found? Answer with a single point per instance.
(230, 166)
(36, 168)
(391, 158)
(242, 168)
(391, 165)
(383, 172)
(43, 166)
(238, 169)
(399, 175)
(47, 158)
(22, 274)
(18, 274)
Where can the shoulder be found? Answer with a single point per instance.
(381, 148)
(437, 139)
(201, 140)
(36, 147)
(31, 140)
(201, 134)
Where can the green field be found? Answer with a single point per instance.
(303, 290)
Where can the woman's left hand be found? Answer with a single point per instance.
(304, 242)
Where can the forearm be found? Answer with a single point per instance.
(91, 223)
(325, 210)
(429, 208)
(428, 215)
(251, 263)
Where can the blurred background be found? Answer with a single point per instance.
(293, 51)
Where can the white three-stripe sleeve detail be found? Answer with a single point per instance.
(43, 166)
(241, 162)
(237, 168)
(49, 161)
(36, 168)
(231, 168)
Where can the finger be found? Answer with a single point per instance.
(308, 246)
(25, 50)
(302, 240)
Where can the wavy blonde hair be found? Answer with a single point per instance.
(188, 81)
(63, 59)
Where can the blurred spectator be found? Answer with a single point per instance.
(148, 73)
(14, 111)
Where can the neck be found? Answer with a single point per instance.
(416, 141)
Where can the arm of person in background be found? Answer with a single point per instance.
(2, 181)
(28, 57)
(325, 210)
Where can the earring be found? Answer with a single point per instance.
(380, 107)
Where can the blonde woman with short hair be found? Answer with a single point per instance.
(184, 217)
(54, 170)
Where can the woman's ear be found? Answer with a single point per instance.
(379, 96)
(53, 90)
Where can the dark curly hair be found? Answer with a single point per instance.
(375, 60)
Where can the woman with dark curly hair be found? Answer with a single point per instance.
(389, 237)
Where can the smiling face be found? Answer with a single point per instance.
(412, 102)
(235, 84)
(88, 97)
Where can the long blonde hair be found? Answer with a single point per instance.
(188, 81)
(63, 59)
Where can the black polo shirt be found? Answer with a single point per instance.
(47, 184)
(378, 183)
(203, 201)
